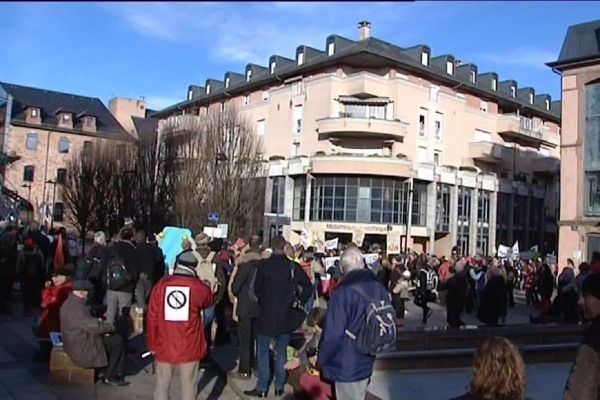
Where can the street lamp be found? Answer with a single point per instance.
(53, 183)
(28, 186)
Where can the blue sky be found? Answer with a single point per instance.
(156, 49)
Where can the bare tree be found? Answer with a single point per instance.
(219, 162)
(77, 192)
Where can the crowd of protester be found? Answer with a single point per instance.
(295, 313)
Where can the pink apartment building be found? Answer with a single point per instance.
(369, 141)
(579, 66)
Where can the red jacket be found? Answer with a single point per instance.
(175, 329)
(53, 298)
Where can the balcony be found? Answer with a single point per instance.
(486, 151)
(347, 164)
(522, 130)
(545, 165)
(362, 127)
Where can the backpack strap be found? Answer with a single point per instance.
(361, 292)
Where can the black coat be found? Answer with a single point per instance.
(151, 261)
(128, 254)
(494, 301)
(274, 289)
(241, 283)
(457, 289)
(546, 284)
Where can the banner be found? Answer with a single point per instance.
(393, 243)
(329, 261)
(305, 238)
(529, 254)
(371, 258)
(515, 250)
(332, 244)
(504, 251)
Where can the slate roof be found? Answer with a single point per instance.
(51, 102)
(581, 44)
(371, 52)
(145, 127)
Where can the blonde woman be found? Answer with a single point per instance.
(498, 372)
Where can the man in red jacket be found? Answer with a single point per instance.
(175, 332)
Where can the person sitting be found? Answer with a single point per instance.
(55, 293)
(86, 339)
(492, 383)
(303, 373)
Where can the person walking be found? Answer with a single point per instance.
(339, 356)
(426, 283)
(8, 265)
(530, 274)
(494, 300)
(95, 271)
(275, 287)
(151, 261)
(30, 271)
(584, 380)
(546, 288)
(247, 308)
(457, 287)
(122, 275)
(175, 329)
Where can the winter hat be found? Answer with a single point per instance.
(186, 259)
(406, 274)
(202, 239)
(591, 285)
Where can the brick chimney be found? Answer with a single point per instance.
(364, 30)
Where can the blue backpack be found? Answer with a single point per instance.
(380, 329)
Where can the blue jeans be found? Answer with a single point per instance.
(208, 317)
(281, 343)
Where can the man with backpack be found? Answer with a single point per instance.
(122, 274)
(360, 322)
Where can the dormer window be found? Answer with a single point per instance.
(473, 76)
(530, 98)
(273, 66)
(331, 48)
(89, 121)
(34, 112)
(513, 91)
(449, 67)
(207, 89)
(300, 58)
(190, 94)
(548, 104)
(425, 58)
(248, 75)
(494, 85)
(227, 82)
(65, 117)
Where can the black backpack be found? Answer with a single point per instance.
(117, 276)
(379, 330)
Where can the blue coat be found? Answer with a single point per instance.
(339, 359)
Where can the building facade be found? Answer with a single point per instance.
(44, 129)
(371, 142)
(579, 67)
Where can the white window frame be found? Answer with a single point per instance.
(273, 66)
(190, 94)
(513, 91)
(439, 126)
(265, 95)
(227, 81)
(531, 98)
(298, 124)
(425, 58)
(422, 154)
(548, 104)
(331, 49)
(438, 155)
(207, 89)
(433, 93)
(89, 121)
(423, 126)
(297, 88)
(473, 76)
(494, 85)
(482, 136)
(31, 135)
(449, 67)
(34, 113)
(261, 127)
(300, 58)
(66, 117)
(483, 106)
(248, 75)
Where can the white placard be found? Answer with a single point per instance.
(177, 303)
(332, 244)
(305, 238)
(393, 243)
(223, 231)
(371, 258)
